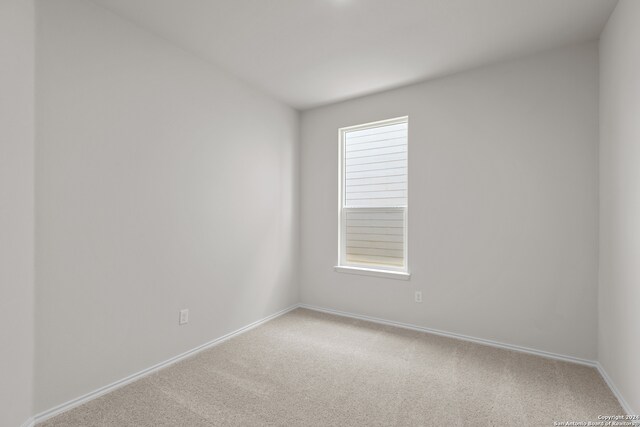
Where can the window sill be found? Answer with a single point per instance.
(398, 275)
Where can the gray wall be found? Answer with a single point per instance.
(161, 184)
(619, 329)
(503, 204)
(16, 210)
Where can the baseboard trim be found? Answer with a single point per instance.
(616, 392)
(482, 341)
(45, 415)
(592, 363)
(57, 410)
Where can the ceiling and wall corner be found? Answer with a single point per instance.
(315, 52)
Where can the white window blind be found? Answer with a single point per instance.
(373, 205)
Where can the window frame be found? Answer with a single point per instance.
(358, 268)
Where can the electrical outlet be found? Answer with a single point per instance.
(418, 296)
(184, 316)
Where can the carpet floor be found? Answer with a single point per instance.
(313, 369)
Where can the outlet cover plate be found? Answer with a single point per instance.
(184, 316)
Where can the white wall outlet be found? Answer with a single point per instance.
(418, 296)
(184, 316)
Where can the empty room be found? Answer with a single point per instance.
(319, 213)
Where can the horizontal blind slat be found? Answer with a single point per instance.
(385, 165)
(368, 188)
(374, 231)
(374, 244)
(370, 180)
(370, 152)
(386, 223)
(376, 194)
(381, 202)
(392, 142)
(377, 130)
(367, 214)
(377, 173)
(393, 253)
(375, 237)
(374, 260)
(377, 159)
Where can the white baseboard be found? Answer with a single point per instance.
(616, 392)
(595, 364)
(131, 378)
(482, 341)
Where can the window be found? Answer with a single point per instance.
(373, 196)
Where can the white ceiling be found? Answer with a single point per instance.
(312, 52)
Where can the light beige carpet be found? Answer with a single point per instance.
(312, 369)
